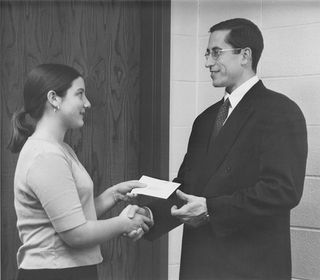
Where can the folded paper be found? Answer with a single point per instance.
(156, 187)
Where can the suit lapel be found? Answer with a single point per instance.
(211, 122)
(228, 134)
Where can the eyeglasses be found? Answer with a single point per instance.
(216, 53)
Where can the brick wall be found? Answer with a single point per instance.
(290, 64)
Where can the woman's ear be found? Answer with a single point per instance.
(54, 99)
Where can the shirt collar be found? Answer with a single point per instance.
(239, 92)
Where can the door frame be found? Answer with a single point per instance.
(155, 102)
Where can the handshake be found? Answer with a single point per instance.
(138, 220)
(135, 220)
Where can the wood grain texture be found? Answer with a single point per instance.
(102, 39)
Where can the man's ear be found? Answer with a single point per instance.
(53, 99)
(246, 56)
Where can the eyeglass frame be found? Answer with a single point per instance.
(218, 52)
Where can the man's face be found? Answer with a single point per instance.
(226, 70)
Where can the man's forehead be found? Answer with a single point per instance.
(217, 39)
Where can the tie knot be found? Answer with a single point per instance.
(226, 103)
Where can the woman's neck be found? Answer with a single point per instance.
(49, 129)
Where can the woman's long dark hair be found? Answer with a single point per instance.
(40, 81)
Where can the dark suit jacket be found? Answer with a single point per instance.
(251, 176)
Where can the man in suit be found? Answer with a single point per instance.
(243, 171)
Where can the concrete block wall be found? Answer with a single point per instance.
(290, 64)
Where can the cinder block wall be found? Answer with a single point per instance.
(290, 64)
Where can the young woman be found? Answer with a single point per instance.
(56, 211)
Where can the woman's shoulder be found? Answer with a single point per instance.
(39, 150)
(37, 154)
(38, 146)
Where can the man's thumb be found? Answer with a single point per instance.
(182, 195)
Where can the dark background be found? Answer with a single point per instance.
(123, 50)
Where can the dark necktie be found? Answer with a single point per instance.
(221, 117)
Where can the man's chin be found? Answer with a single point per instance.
(217, 83)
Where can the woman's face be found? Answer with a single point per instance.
(74, 104)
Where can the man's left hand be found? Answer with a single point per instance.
(194, 212)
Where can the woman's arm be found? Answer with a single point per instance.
(106, 200)
(92, 233)
(52, 181)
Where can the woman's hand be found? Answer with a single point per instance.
(109, 198)
(122, 190)
(137, 224)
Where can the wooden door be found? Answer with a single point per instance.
(122, 48)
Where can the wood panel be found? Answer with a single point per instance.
(103, 40)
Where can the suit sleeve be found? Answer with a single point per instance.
(280, 179)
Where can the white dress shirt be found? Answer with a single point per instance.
(236, 96)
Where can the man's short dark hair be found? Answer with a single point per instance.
(243, 33)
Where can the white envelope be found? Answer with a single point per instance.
(156, 187)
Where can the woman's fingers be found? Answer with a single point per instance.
(132, 210)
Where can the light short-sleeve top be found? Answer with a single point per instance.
(52, 193)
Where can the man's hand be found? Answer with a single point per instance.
(194, 212)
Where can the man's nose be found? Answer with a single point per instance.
(209, 61)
